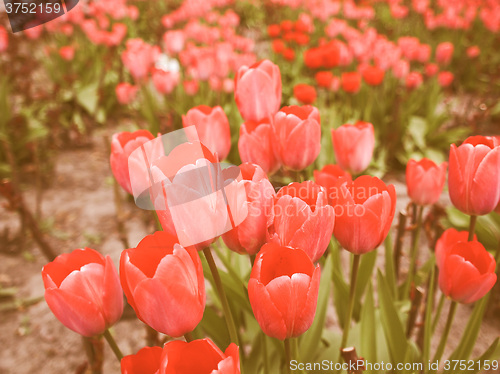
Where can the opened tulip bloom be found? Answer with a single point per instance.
(146, 361)
(466, 271)
(298, 132)
(364, 211)
(212, 128)
(303, 219)
(447, 240)
(353, 146)
(164, 283)
(252, 233)
(83, 291)
(331, 177)
(283, 291)
(258, 90)
(474, 175)
(200, 357)
(122, 146)
(425, 181)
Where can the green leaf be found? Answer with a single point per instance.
(428, 318)
(417, 129)
(368, 350)
(87, 97)
(393, 327)
(390, 271)
(364, 276)
(492, 353)
(340, 287)
(311, 339)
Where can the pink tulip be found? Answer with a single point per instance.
(331, 177)
(4, 39)
(303, 219)
(164, 283)
(353, 146)
(212, 127)
(258, 91)
(165, 81)
(83, 291)
(252, 233)
(257, 144)
(474, 175)
(425, 181)
(444, 53)
(298, 132)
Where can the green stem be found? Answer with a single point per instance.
(222, 295)
(444, 337)
(188, 336)
(414, 251)
(288, 355)
(472, 227)
(347, 322)
(112, 343)
(264, 352)
(438, 313)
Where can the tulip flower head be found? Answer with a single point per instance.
(425, 181)
(146, 361)
(164, 284)
(466, 269)
(283, 291)
(83, 291)
(474, 175)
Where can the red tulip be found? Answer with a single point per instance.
(473, 51)
(83, 291)
(251, 234)
(139, 57)
(289, 54)
(425, 181)
(474, 175)
(273, 30)
(4, 39)
(466, 270)
(444, 53)
(278, 46)
(67, 52)
(353, 146)
(431, 69)
(194, 198)
(122, 146)
(283, 291)
(445, 78)
(174, 41)
(126, 93)
(257, 144)
(298, 132)
(146, 361)
(200, 357)
(303, 219)
(364, 211)
(414, 80)
(351, 82)
(212, 127)
(258, 90)
(373, 75)
(165, 81)
(324, 79)
(164, 283)
(331, 177)
(304, 93)
(447, 240)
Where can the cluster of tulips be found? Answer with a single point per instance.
(286, 234)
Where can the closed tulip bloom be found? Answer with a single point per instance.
(212, 127)
(445, 78)
(200, 357)
(364, 211)
(353, 146)
(466, 271)
(351, 82)
(126, 93)
(164, 283)
(305, 93)
(146, 361)
(83, 291)
(283, 291)
(4, 39)
(373, 75)
(251, 234)
(474, 175)
(331, 177)
(165, 81)
(298, 132)
(425, 181)
(258, 90)
(122, 146)
(303, 218)
(444, 53)
(257, 144)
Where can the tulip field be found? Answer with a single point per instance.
(250, 186)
